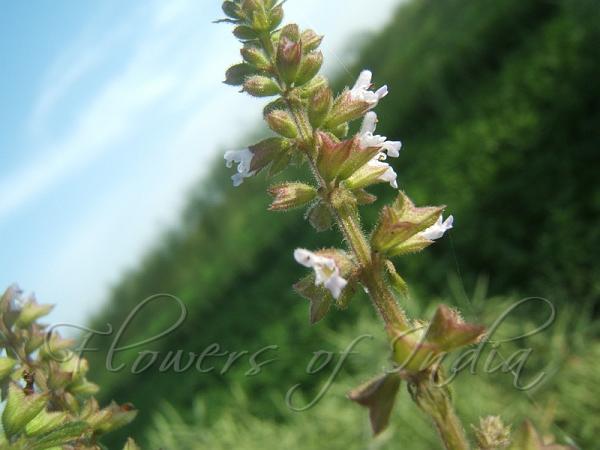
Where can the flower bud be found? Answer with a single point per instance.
(492, 434)
(32, 311)
(291, 195)
(85, 388)
(261, 20)
(261, 86)
(58, 379)
(71, 402)
(20, 409)
(35, 338)
(249, 7)
(346, 109)
(332, 155)
(62, 435)
(291, 31)
(281, 122)
(309, 89)
(245, 33)
(276, 17)
(121, 415)
(373, 172)
(289, 56)
(78, 367)
(237, 74)
(309, 67)
(310, 40)
(256, 57)
(6, 367)
(232, 10)
(379, 396)
(45, 422)
(414, 244)
(398, 225)
(319, 106)
(98, 418)
(56, 347)
(341, 131)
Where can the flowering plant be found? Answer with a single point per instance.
(312, 126)
(50, 403)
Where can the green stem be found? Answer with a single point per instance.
(432, 399)
(435, 401)
(372, 272)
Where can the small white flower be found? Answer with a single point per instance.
(438, 229)
(368, 139)
(360, 91)
(327, 273)
(243, 158)
(388, 175)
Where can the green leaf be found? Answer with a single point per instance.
(320, 299)
(396, 280)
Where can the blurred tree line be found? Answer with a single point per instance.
(497, 105)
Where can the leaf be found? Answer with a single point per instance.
(396, 280)
(363, 197)
(320, 299)
(378, 395)
(319, 216)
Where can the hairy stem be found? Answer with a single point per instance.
(433, 400)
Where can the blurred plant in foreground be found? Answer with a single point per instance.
(312, 125)
(49, 403)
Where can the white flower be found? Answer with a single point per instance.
(243, 158)
(368, 139)
(360, 91)
(438, 229)
(327, 273)
(388, 175)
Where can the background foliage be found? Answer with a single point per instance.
(497, 104)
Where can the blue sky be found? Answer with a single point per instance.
(109, 112)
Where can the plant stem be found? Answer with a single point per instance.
(372, 272)
(431, 399)
(436, 402)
